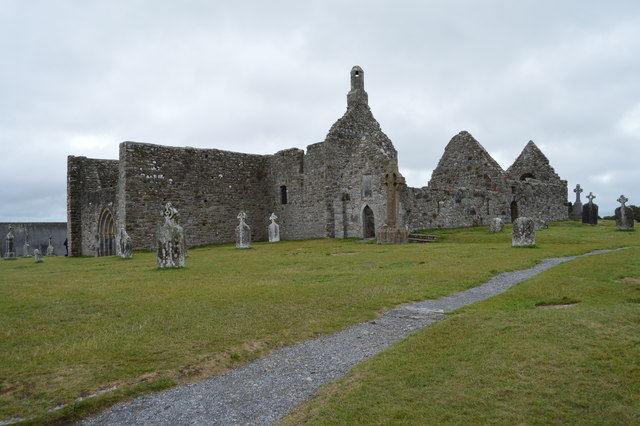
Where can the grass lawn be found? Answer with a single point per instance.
(517, 358)
(72, 327)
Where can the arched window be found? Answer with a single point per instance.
(283, 194)
(106, 234)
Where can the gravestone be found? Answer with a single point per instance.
(496, 224)
(590, 211)
(123, 244)
(50, 249)
(243, 232)
(391, 232)
(524, 232)
(540, 224)
(274, 229)
(25, 246)
(576, 213)
(10, 250)
(624, 215)
(37, 256)
(171, 242)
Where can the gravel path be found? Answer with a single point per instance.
(263, 391)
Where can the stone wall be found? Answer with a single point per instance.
(209, 187)
(38, 237)
(91, 188)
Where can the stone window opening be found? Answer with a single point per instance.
(367, 186)
(283, 194)
(527, 176)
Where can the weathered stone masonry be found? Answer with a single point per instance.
(333, 190)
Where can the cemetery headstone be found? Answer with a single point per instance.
(496, 224)
(540, 224)
(37, 256)
(576, 213)
(171, 241)
(123, 244)
(10, 250)
(624, 215)
(391, 232)
(590, 211)
(25, 246)
(274, 229)
(524, 232)
(50, 249)
(243, 232)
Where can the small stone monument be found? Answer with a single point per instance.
(524, 232)
(171, 242)
(274, 229)
(10, 252)
(37, 256)
(590, 211)
(243, 232)
(496, 224)
(391, 232)
(624, 215)
(50, 249)
(540, 224)
(123, 244)
(25, 246)
(576, 212)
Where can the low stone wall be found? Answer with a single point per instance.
(38, 236)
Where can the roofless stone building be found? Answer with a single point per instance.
(334, 190)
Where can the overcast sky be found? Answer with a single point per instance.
(79, 77)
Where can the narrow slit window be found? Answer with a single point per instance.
(283, 194)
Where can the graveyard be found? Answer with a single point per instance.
(560, 347)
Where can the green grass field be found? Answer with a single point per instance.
(72, 327)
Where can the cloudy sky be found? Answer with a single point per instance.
(79, 77)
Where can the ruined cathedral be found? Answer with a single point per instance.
(333, 190)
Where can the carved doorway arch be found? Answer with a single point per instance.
(106, 234)
(368, 223)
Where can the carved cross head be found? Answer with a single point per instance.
(578, 190)
(242, 216)
(622, 200)
(591, 197)
(273, 217)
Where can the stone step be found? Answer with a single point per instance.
(422, 238)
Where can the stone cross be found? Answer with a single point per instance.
(241, 217)
(622, 200)
(591, 197)
(578, 190)
(393, 181)
(273, 217)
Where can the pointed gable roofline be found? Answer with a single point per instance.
(532, 164)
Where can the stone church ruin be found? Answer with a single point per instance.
(335, 189)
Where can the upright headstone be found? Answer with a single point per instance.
(243, 232)
(274, 229)
(576, 213)
(540, 224)
(391, 232)
(496, 224)
(624, 215)
(524, 232)
(590, 211)
(123, 244)
(171, 242)
(37, 256)
(50, 249)
(25, 246)
(10, 251)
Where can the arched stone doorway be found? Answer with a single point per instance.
(106, 234)
(368, 223)
(514, 211)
